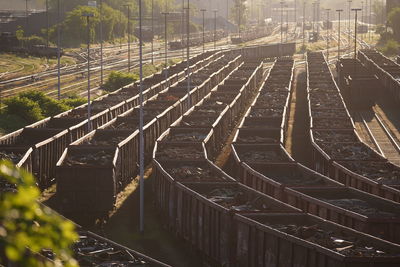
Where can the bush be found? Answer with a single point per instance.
(74, 102)
(390, 48)
(36, 96)
(117, 80)
(302, 49)
(49, 106)
(54, 107)
(32, 106)
(33, 40)
(25, 108)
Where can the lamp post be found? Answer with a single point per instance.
(58, 51)
(240, 18)
(215, 29)
(313, 24)
(203, 10)
(227, 19)
(183, 28)
(166, 44)
(141, 137)
(152, 32)
(101, 42)
(355, 30)
(370, 19)
(47, 23)
(362, 15)
(327, 35)
(88, 16)
(27, 16)
(339, 11)
(281, 2)
(120, 24)
(188, 51)
(129, 37)
(318, 16)
(304, 22)
(349, 25)
(287, 23)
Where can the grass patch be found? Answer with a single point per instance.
(20, 64)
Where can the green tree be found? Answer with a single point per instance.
(239, 8)
(27, 228)
(394, 22)
(74, 27)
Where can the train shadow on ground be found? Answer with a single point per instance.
(156, 241)
(300, 142)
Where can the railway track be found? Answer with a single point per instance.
(383, 140)
(75, 72)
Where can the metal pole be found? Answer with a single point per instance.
(182, 28)
(227, 20)
(48, 23)
(349, 25)
(339, 11)
(58, 51)
(355, 30)
(327, 35)
(215, 29)
(152, 32)
(141, 143)
(362, 15)
(295, 14)
(101, 42)
(203, 10)
(122, 33)
(369, 19)
(26, 14)
(188, 52)
(318, 17)
(129, 37)
(239, 18)
(287, 23)
(281, 4)
(304, 22)
(166, 44)
(88, 70)
(313, 23)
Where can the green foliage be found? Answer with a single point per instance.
(49, 106)
(19, 33)
(239, 8)
(390, 48)
(32, 40)
(302, 49)
(27, 225)
(74, 26)
(117, 79)
(74, 102)
(10, 123)
(25, 108)
(32, 106)
(394, 22)
(380, 29)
